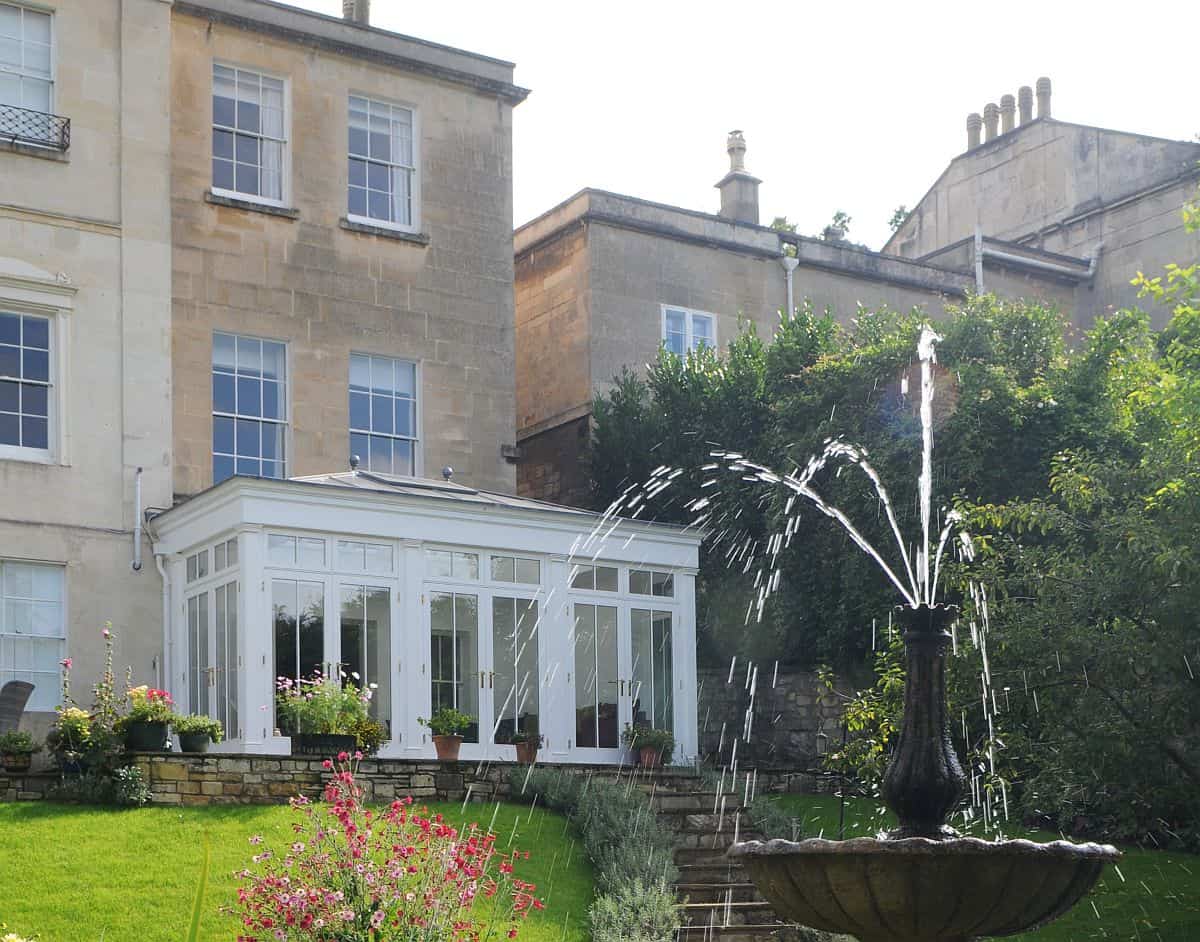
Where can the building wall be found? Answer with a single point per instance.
(327, 291)
(94, 225)
(552, 465)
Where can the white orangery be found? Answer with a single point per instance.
(519, 613)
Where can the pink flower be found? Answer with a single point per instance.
(106, 633)
(66, 662)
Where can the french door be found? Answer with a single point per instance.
(213, 660)
(484, 662)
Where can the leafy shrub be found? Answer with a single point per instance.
(772, 821)
(320, 705)
(17, 743)
(369, 733)
(447, 722)
(635, 912)
(661, 741)
(197, 724)
(129, 787)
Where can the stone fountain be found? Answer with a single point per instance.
(921, 882)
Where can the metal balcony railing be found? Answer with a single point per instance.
(23, 126)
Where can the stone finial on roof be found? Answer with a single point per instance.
(1008, 108)
(1043, 97)
(974, 126)
(1025, 103)
(736, 145)
(991, 120)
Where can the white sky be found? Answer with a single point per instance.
(853, 105)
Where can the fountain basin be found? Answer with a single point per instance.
(922, 890)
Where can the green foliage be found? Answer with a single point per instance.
(635, 913)
(197, 724)
(447, 722)
(370, 733)
(897, 218)
(201, 887)
(771, 820)
(661, 741)
(320, 705)
(18, 743)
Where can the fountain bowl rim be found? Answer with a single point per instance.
(924, 847)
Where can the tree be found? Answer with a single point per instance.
(898, 216)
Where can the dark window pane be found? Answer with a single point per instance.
(247, 438)
(403, 460)
(33, 432)
(10, 397)
(223, 399)
(10, 361)
(247, 179)
(37, 332)
(222, 468)
(377, 177)
(34, 400)
(223, 144)
(358, 141)
(10, 329)
(358, 447)
(381, 454)
(381, 146)
(272, 441)
(249, 466)
(247, 149)
(247, 116)
(222, 435)
(10, 429)
(358, 173)
(272, 469)
(37, 365)
(381, 414)
(223, 174)
(358, 201)
(378, 205)
(222, 110)
(360, 410)
(249, 396)
(404, 417)
(272, 406)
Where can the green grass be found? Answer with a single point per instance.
(79, 874)
(1154, 898)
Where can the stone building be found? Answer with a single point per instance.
(1035, 208)
(85, 304)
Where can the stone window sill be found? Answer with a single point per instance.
(415, 238)
(32, 150)
(219, 199)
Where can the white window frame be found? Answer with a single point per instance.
(25, 290)
(415, 225)
(285, 422)
(418, 437)
(285, 169)
(21, 72)
(62, 638)
(689, 335)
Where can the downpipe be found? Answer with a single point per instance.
(136, 565)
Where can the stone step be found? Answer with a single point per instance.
(705, 822)
(671, 802)
(743, 933)
(725, 871)
(716, 891)
(741, 913)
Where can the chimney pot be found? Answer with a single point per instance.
(739, 190)
(1025, 103)
(991, 120)
(1043, 97)
(357, 11)
(1008, 106)
(974, 126)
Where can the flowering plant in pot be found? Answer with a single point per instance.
(653, 746)
(396, 874)
(145, 725)
(16, 751)
(196, 732)
(322, 715)
(447, 725)
(528, 742)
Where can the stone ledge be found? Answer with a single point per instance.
(416, 238)
(33, 150)
(232, 202)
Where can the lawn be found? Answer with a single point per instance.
(80, 874)
(1155, 897)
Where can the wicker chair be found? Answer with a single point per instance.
(13, 697)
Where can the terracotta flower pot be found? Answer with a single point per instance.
(16, 762)
(649, 757)
(447, 747)
(527, 752)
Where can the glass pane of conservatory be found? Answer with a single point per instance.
(514, 656)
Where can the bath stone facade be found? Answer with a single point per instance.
(85, 294)
(399, 250)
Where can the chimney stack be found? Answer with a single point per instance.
(991, 120)
(739, 190)
(1043, 97)
(357, 11)
(1025, 103)
(1008, 107)
(974, 126)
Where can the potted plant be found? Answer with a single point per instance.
(196, 732)
(149, 716)
(16, 751)
(321, 715)
(528, 742)
(70, 738)
(446, 725)
(651, 745)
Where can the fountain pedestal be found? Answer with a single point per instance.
(922, 882)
